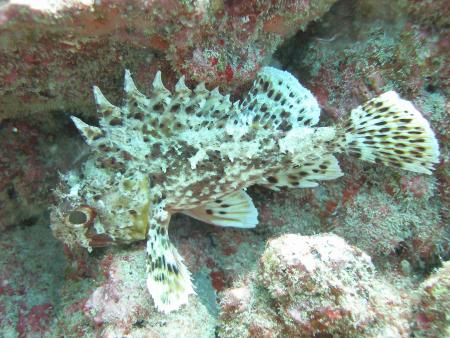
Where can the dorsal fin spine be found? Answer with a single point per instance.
(158, 85)
(107, 111)
(101, 100)
(200, 88)
(215, 92)
(181, 87)
(89, 133)
(129, 85)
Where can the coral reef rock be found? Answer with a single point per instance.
(315, 286)
(433, 309)
(30, 158)
(120, 307)
(357, 50)
(50, 50)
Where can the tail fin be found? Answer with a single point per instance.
(168, 281)
(389, 130)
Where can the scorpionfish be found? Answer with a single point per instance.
(194, 151)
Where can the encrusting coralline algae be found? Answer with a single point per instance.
(317, 286)
(195, 152)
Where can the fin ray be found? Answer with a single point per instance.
(390, 130)
(278, 101)
(234, 210)
(304, 176)
(168, 281)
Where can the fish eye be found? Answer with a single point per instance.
(77, 217)
(83, 216)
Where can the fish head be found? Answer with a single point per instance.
(97, 208)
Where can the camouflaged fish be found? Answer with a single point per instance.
(195, 152)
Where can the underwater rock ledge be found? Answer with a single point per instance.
(52, 51)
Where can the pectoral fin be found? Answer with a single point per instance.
(234, 210)
(168, 281)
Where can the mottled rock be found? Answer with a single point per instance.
(51, 53)
(121, 305)
(432, 311)
(30, 157)
(316, 285)
(358, 50)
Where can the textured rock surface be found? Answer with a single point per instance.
(121, 306)
(31, 154)
(50, 55)
(32, 273)
(315, 285)
(433, 308)
(358, 50)
(102, 296)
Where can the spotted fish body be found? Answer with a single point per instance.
(195, 152)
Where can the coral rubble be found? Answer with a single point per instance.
(432, 311)
(315, 286)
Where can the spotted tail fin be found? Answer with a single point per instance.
(168, 281)
(389, 130)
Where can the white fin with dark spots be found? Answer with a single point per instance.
(168, 280)
(278, 101)
(390, 130)
(305, 175)
(235, 210)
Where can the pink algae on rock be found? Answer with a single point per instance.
(53, 52)
(432, 310)
(120, 305)
(316, 286)
(358, 50)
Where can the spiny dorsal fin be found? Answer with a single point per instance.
(391, 131)
(158, 85)
(181, 88)
(109, 114)
(278, 101)
(234, 210)
(89, 133)
(133, 97)
(164, 114)
(305, 175)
